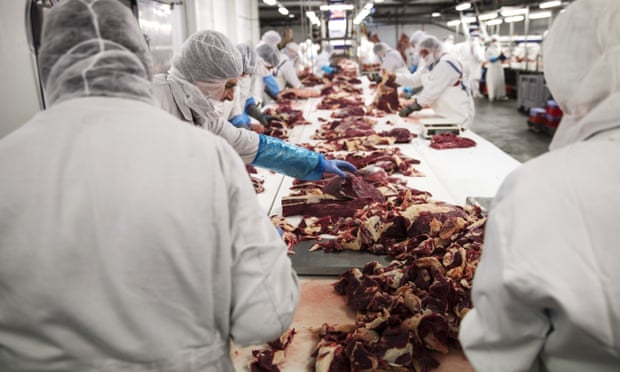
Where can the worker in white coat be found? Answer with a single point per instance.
(495, 80)
(207, 69)
(471, 54)
(546, 293)
(286, 71)
(322, 63)
(391, 60)
(416, 62)
(128, 241)
(271, 37)
(246, 100)
(443, 88)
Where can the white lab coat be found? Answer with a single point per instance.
(130, 242)
(471, 54)
(322, 59)
(495, 81)
(392, 61)
(286, 73)
(443, 89)
(185, 101)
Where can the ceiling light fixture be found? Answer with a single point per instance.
(550, 4)
(539, 15)
(495, 22)
(455, 22)
(463, 6)
(282, 10)
(509, 12)
(487, 16)
(436, 14)
(336, 7)
(270, 2)
(514, 19)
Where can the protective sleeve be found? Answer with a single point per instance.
(442, 77)
(507, 328)
(263, 280)
(271, 85)
(287, 71)
(286, 158)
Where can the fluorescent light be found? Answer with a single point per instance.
(467, 20)
(539, 15)
(282, 10)
(436, 14)
(463, 6)
(337, 7)
(378, 1)
(270, 2)
(550, 4)
(310, 14)
(368, 6)
(360, 16)
(291, 15)
(487, 16)
(514, 19)
(495, 22)
(509, 12)
(455, 22)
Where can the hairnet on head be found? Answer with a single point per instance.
(582, 68)
(248, 58)
(416, 37)
(271, 37)
(269, 54)
(93, 48)
(431, 44)
(208, 56)
(293, 47)
(380, 48)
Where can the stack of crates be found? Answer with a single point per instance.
(545, 120)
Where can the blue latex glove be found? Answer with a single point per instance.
(414, 68)
(328, 69)
(280, 231)
(241, 121)
(271, 84)
(408, 92)
(248, 102)
(336, 166)
(494, 59)
(286, 158)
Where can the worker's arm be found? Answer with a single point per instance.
(290, 75)
(265, 290)
(407, 79)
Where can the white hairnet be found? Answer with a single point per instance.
(416, 37)
(431, 44)
(293, 47)
(269, 54)
(208, 56)
(582, 68)
(248, 58)
(271, 37)
(380, 48)
(93, 48)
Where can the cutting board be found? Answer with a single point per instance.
(319, 263)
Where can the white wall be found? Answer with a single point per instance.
(19, 92)
(391, 33)
(238, 19)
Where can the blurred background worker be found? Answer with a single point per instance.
(546, 293)
(269, 58)
(205, 70)
(443, 87)
(391, 60)
(471, 54)
(286, 70)
(416, 62)
(244, 101)
(323, 61)
(495, 80)
(271, 37)
(128, 240)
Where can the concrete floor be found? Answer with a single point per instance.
(503, 125)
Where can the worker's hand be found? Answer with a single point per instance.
(267, 119)
(258, 128)
(328, 70)
(407, 92)
(493, 59)
(336, 166)
(240, 121)
(407, 110)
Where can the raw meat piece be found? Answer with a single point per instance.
(272, 357)
(337, 100)
(386, 98)
(348, 127)
(450, 141)
(402, 135)
(348, 111)
(352, 187)
(308, 79)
